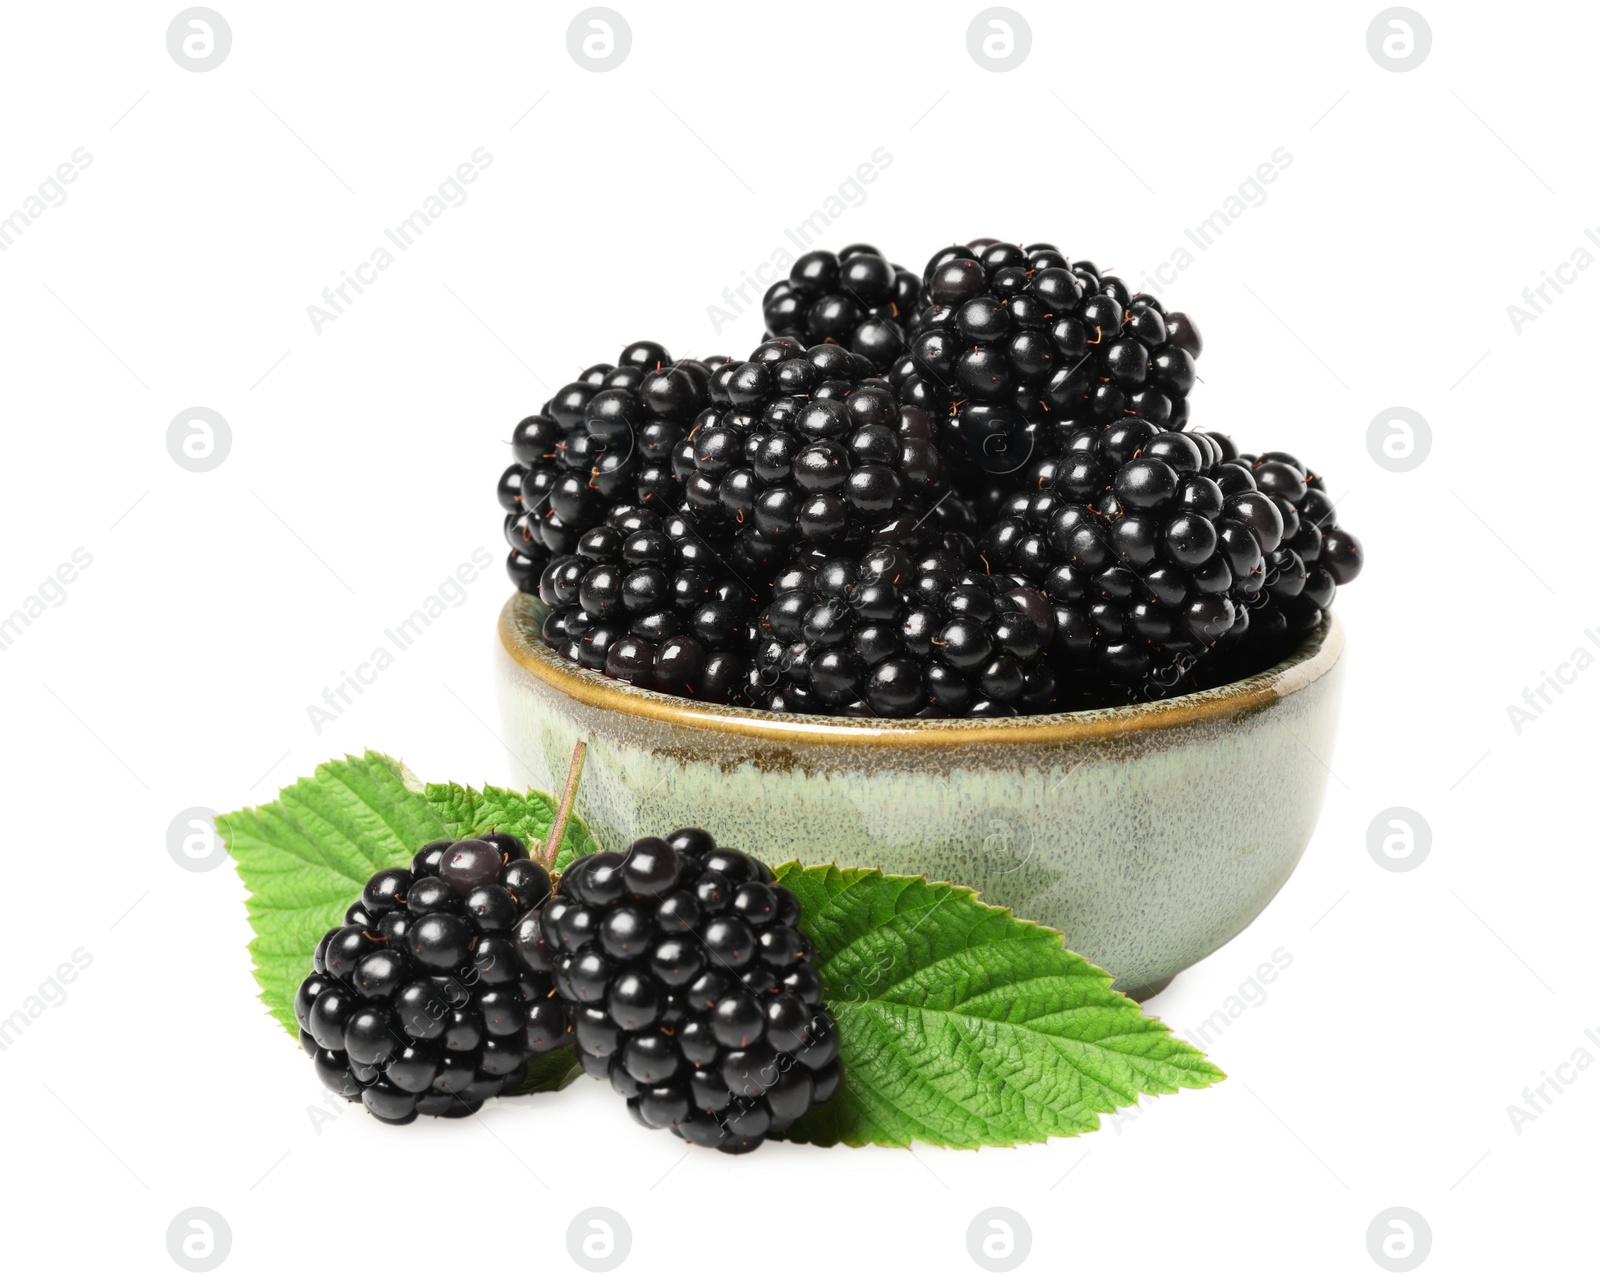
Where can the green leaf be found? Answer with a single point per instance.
(306, 856)
(548, 1073)
(529, 815)
(963, 1026)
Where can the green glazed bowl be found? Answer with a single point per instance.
(1148, 835)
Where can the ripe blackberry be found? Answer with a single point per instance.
(856, 298)
(604, 439)
(1171, 563)
(893, 637)
(805, 448)
(1011, 337)
(421, 1003)
(646, 600)
(691, 988)
(1137, 551)
(1307, 555)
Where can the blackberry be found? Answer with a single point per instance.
(646, 600)
(691, 988)
(1170, 561)
(603, 440)
(1307, 561)
(856, 298)
(891, 637)
(1131, 542)
(1013, 336)
(424, 1002)
(805, 448)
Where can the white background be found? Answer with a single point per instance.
(1375, 1071)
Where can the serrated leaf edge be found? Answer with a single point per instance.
(975, 897)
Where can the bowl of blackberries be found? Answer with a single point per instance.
(937, 546)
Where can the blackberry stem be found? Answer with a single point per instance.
(564, 812)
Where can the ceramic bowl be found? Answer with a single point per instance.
(1148, 835)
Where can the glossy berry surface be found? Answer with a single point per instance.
(804, 447)
(892, 637)
(783, 532)
(603, 440)
(857, 299)
(438, 1003)
(1011, 336)
(1170, 561)
(691, 989)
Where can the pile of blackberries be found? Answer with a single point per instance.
(976, 494)
(677, 968)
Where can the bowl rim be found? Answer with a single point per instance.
(519, 637)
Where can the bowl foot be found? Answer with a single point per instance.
(1142, 994)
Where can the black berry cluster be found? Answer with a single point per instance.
(604, 440)
(1007, 514)
(645, 599)
(894, 636)
(856, 298)
(1139, 553)
(1313, 556)
(1025, 326)
(806, 448)
(1167, 558)
(420, 1003)
(691, 988)
(1010, 337)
